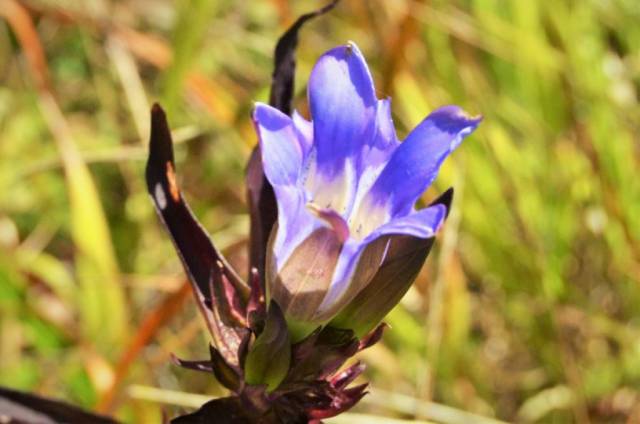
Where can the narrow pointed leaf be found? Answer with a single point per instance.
(285, 61)
(204, 366)
(227, 337)
(205, 266)
(233, 307)
(226, 374)
(263, 212)
(372, 337)
(256, 309)
(445, 199)
(194, 247)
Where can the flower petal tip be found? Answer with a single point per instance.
(259, 109)
(351, 47)
(452, 118)
(347, 55)
(441, 215)
(269, 117)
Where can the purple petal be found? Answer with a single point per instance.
(304, 130)
(343, 106)
(385, 137)
(415, 163)
(377, 152)
(295, 222)
(422, 224)
(342, 276)
(357, 264)
(303, 279)
(282, 153)
(284, 143)
(359, 260)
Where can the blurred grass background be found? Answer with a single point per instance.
(528, 309)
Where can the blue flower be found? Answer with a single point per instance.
(345, 185)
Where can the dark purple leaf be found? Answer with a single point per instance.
(204, 365)
(372, 337)
(445, 199)
(194, 247)
(346, 377)
(343, 401)
(256, 309)
(285, 62)
(234, 307)
(19, 407)
(228, 337)
(263, 212)
(204, 265)
(229, 376)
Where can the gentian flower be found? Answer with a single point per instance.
(337, 197)
(345, 186)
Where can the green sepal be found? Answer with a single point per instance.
(404, 260)
(269, 358)
(402, 263)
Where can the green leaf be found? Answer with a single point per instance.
(102, 301)
(269, 358)
(192, 22)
